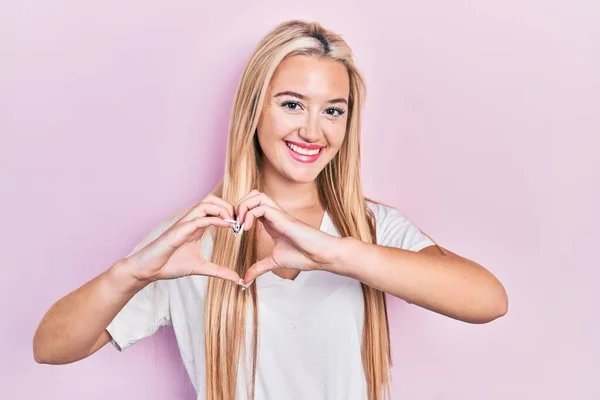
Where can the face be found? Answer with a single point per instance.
(303, 120)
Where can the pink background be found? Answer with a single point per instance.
(482, 126)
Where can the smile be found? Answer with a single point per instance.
(307, 153)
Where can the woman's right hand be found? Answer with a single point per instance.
(177, 253)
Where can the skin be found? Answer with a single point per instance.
(75, 326)
(289, 237)
(311, 112)
(306, 102)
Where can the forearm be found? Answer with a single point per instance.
(443, 283)
(73, 324)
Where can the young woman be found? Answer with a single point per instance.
(292, 307)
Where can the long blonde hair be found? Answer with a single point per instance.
(339, 190)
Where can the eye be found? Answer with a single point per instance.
(291, 105)
(335, 112)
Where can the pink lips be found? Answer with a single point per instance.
(306, 159)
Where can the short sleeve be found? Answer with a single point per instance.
(148, 309)
(395, 230)
(145, 312)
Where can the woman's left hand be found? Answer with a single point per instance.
(296, 245)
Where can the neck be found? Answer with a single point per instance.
(290, 195)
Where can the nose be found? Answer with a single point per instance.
(311, 129)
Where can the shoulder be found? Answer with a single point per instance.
(395, 230)
(385, 216)
(383, 212)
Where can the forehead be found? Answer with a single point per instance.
(314, 77)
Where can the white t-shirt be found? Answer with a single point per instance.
(310, 328)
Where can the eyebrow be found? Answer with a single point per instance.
(303, 97)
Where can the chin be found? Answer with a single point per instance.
(307, 175)
(302, 178)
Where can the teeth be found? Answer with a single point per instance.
(302, 151)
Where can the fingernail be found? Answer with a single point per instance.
(237, 229)
(232, 221)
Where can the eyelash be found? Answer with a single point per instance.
(335, 109)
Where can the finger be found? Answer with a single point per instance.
(204, 209)
(211, 198)
(263, 211)
(255, 201)
(182, 233)
(217, 271)
(197, 235)
(252, 193)
(196, 209)
(236, 208)
(258, 268)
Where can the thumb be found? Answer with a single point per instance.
(259, 268)
(218, 271)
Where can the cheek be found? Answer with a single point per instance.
(275, 125)
(336, 133)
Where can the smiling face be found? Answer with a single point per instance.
(303, 121)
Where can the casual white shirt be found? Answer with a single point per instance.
(310, 328)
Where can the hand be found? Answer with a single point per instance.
(176, 253)
(296, 245)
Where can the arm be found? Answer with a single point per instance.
(434, 278)
(74, 327)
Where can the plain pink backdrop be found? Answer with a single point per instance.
(481, 125)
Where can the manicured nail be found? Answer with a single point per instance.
(241, 283)
(237, 229)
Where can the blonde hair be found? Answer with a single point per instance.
(339, 190)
